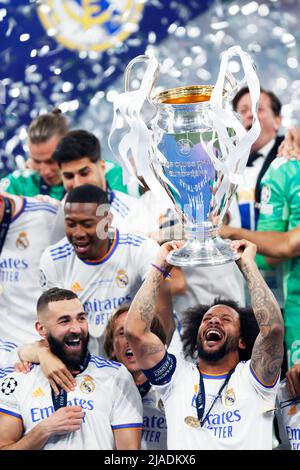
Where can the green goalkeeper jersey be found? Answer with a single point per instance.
(28, 182)
(280, 211)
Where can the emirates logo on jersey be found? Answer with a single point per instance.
(122, 278)
(22, 241)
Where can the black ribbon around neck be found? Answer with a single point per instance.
(144, 388)
(4, 226)
(61, 399)
(200, 398)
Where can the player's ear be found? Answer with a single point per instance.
(242, 344)
(40, 328)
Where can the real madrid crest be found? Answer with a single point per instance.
(22, 241)
(87, 385)
(229, 397)
(122, 278)
(90, 25)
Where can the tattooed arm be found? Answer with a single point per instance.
(146, 346)
(267, 353)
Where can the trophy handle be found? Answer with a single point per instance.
(139, 58)
(236, 85)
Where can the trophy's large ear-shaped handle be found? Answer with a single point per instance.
(233, 84)
(139, 58)
(236, 85)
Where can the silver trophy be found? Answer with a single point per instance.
(192, 153)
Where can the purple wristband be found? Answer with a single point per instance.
(164, 273)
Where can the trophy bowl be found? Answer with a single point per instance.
(183, 129)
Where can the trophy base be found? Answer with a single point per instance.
(209, 252)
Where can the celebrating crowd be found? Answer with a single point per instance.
(105, 345)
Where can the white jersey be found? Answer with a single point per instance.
(288, 417)
(29, 233)
(105, 390)
(128, 212)
(103, 285)
(8, 355)
(242, 419)
(154, 434)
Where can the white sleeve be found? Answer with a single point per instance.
(58, 228)
(267, 392)
(7, 357)
(48, 274)
(127, 408)
(8, 397)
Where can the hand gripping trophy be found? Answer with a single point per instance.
(192, 153)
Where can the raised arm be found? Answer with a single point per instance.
(271, 243)
(267, 353)
(146, 346)
(164, 310)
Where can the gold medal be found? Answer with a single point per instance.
(192, 421)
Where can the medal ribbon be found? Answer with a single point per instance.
(292, 401)
(200, 398)
(61, 399)
(144, 388)
(4, 226)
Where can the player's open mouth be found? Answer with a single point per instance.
(129, 355)
(73, 344)
(213, 336)
(82, 248)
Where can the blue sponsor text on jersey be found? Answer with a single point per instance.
(102, 309)
(293, 435)
(38, 414)
(152, 428)
(220, 423)
(10, 268)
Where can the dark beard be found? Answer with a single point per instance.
(230, 345)
(72, 362)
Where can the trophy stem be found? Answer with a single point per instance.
(204, 248)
